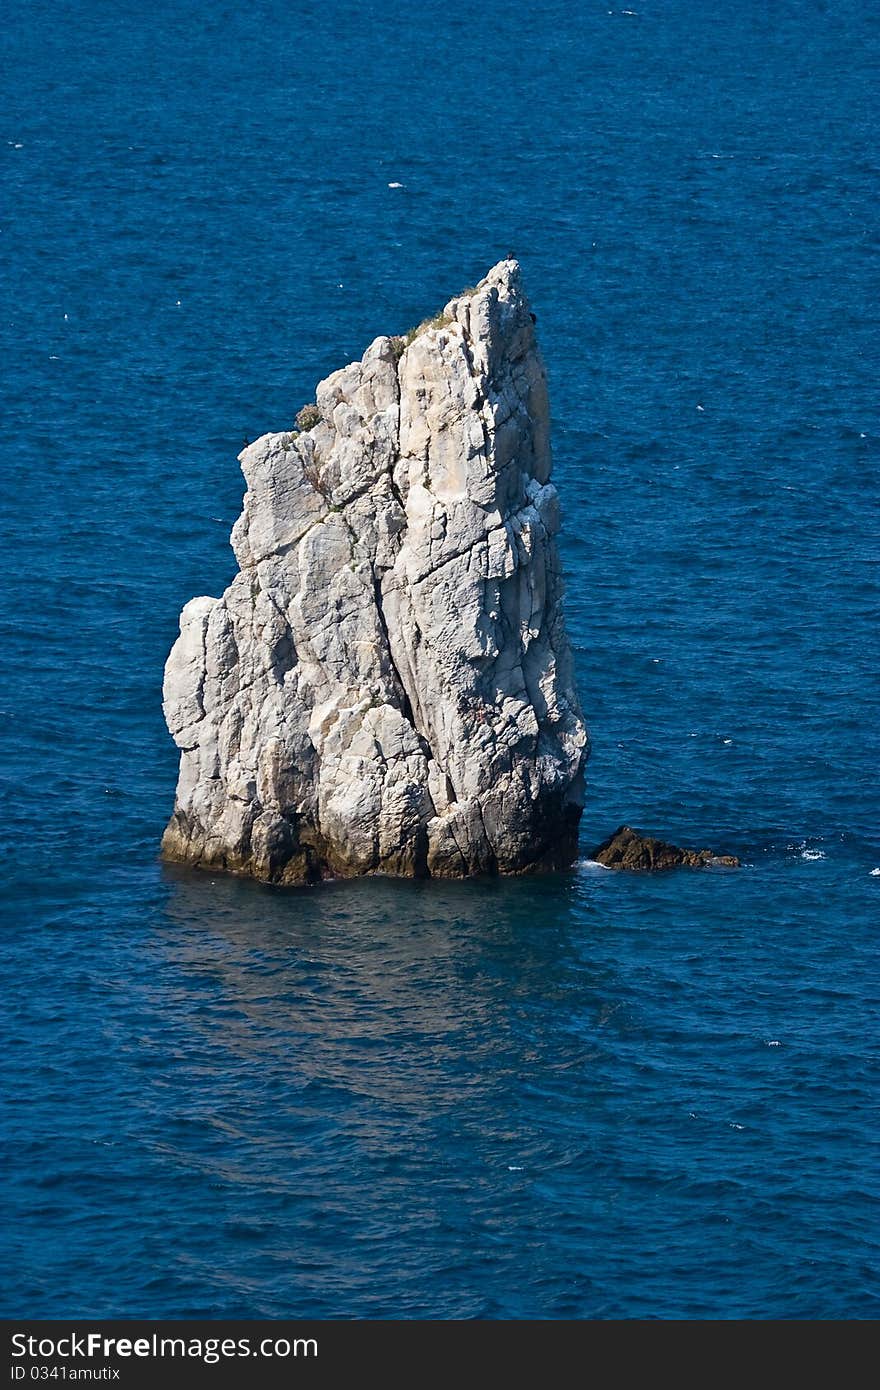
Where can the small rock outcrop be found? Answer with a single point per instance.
(629, 849)
(386, 686)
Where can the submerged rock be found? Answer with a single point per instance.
(629, 849)
(386, 686)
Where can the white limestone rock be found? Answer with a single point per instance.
(386, 686)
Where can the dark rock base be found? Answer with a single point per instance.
(628, 849)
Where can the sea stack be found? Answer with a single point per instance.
(386, 686)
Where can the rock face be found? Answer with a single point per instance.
(386, 685)
(628, 849)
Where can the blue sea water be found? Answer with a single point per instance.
(589, 1095)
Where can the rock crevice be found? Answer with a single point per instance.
(386, 685)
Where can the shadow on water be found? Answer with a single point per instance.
(346, 1077)
(377, 984)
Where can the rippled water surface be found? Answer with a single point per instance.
(586, 1095)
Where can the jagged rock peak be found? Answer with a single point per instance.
(386, 686)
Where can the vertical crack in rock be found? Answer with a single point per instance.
(405, 702)
(386, 685)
